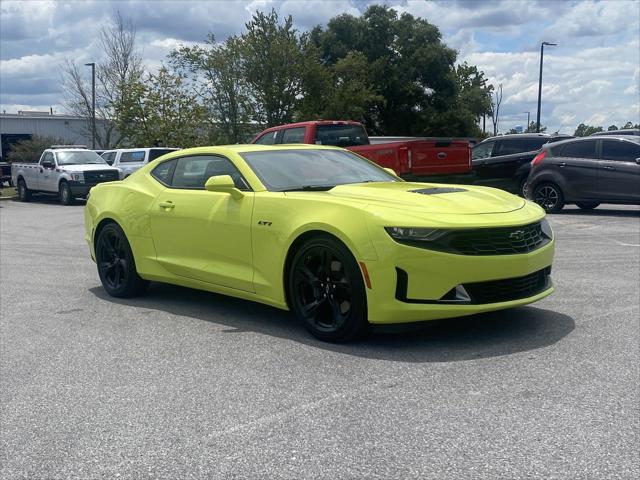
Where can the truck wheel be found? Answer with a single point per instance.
(24, 194)
(65, 194)
(116, 265)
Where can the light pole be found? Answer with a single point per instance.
(540, 81)
(528, 121)
(93, 104)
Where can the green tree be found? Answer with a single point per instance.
(586, 130)
(217, 72)
(611, 128)
(631, 125)
(159, 111)
(28, 151)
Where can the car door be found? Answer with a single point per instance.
(47, 175)
(199, 234)
(619, 172)
(480, 153)
(507, 157)
(577, 163)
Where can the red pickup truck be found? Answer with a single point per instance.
(408, 158)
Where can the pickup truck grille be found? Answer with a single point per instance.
(94, 177)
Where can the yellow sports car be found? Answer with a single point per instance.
(338, 240)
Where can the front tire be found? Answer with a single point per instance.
(64, 192)
(24, 194)
(549, 197)
(587, 205)
(326, 290)
(116, 265)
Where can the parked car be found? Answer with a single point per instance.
(67, 172)
(131, 159)
(586, 171)
(336, 239)
(504, 161)
(410, 159)
(624, 131)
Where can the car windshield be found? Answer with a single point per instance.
(79, 158)
(290, 170)
(341, 135)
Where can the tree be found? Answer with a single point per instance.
(496, 100)
(121, 66)
(630, 125)
(160, 111)
(272, 63)
(611, 128)
(586, 130)
(222, 88)
(28, 151)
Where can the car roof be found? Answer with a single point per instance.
(525, 135)
(622, 131)
(626, 138)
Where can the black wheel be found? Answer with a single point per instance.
(64, 192)
(522, 188)
(326, 290)
(24, 194)
(549, 196)
(587, 205)
(116, 265)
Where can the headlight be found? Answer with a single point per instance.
(546, 228)
(78, 177)
(410, 234)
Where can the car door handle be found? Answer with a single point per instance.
(167, 204)
(562, 164)
(609, 167)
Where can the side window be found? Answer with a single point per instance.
(533, 144)
(48, 159)
(193, 172)
(268, 138)
(482, 150)
(620, 150)
(579, 149)
(109, 157)
(509, 147)
(293, 135)
(136, 156)
(164, 172)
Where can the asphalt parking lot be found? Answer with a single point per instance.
(186, 384)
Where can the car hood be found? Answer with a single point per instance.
(86, 167)
(430, 197)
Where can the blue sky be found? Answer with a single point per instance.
(592, 75)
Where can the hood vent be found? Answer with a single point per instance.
(436, 190)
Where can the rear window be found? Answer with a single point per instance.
(341, 135)
(136, 156)
(579, 149)
(620, 150)
(158, 152)
(293, 135)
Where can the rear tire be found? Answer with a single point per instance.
(24, 194)
(64, 192)
(549, 197)
(587, 205)
(116, 265)
(326, 291)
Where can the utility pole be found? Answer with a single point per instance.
(528, 121)
(540, 81)
(93, 104)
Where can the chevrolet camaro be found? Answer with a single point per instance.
(320, 231)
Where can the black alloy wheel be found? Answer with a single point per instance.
(24, 194)
(116, 265)
(326, 290)
(549, 196)
(64, 192)
(587, 205)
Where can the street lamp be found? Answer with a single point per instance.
(540, 81)
(93, 104)
(528, 120)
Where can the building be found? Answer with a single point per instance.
(68, 129)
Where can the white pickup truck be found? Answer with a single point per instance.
(67, 172)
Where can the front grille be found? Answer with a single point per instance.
(497, 241)
(508, 289)
(93, 177)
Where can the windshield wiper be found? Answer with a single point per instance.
(309, 188)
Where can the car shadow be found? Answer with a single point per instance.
(52, 200)
(601, 212)
(467, 338)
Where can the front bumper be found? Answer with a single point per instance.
(411, 284)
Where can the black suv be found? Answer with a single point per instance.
(586, 171)
(504, 161)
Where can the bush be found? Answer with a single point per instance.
(29, 151)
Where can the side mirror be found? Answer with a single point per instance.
(48, 165)
(224, 184)
(391, 171)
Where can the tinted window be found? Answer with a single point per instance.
(579, 149)
(109, 157)
(164, 172)
(193, 172)
(293, 135)
(482, 150)
(267, 138)
(137, 156)
(158, 152)
(620, 150)
(341, 135)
